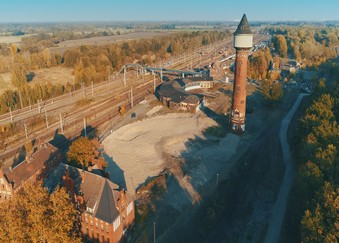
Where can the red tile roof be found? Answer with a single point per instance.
(31, 165)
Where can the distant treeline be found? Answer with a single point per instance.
(90, 63)
(313, 45)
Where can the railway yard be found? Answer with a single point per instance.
(149, 140)
(96, 106)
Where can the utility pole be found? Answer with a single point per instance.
(110, 117)
(125, 76)
(109, 75)
(133, 183)
(132, 97)
(29, 101)
(26, 132)
(39, 110)
(191, 61)
(46, 117)
(92, 90)
(154, 82)
(20, 100)
(85, 126)
(83, 90)
(154, 231)
(10, 113)
(160, 71)
(61, 125)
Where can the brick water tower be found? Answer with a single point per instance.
(243, 40)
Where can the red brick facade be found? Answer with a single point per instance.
(6, 190)
(239, 91)
(94, 225)
(34, 168)
(98, 230)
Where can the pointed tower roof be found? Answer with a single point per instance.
(243, 27)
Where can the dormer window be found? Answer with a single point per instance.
(90, 210)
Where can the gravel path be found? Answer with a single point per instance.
(279, 209)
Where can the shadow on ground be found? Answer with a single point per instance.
(116, 174)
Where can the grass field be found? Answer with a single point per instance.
(104, 40)
(11, 39)
(54, 75)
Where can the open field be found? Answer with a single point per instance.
(12, 39)
(55, 75)
(104, 40)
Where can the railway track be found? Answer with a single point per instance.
(108, 95)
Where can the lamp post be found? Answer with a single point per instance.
(154, 231)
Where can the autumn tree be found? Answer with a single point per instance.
(259, 63)
(315, 206)
(321, 224)
(84, 152)
(280, 45)
(18, 75)
(29, 147)
(272, 91)
(34, 215)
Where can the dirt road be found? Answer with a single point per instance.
(280, 205)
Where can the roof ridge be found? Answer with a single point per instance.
(100, 193)
(109, 208)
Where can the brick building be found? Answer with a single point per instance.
(173, 95)
(105, 210)
(35, 167)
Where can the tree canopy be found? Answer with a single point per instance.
(34, 215)
(315, 197)
(280, 45)
(271, 91)
(84, 152)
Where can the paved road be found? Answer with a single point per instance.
(279, 209)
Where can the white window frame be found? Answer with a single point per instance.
(116, 223)
(129, 208)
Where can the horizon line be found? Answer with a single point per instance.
(157, 21)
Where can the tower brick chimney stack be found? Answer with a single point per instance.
(243, 42)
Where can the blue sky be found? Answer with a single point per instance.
(171, 10)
